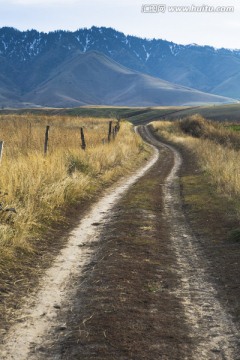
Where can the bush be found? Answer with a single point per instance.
(198, 127)
(194, 126)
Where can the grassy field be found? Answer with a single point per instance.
(35, 188)
(210, 178)
(39, 186)
(216, 147)
(137, 115)
(142, 115)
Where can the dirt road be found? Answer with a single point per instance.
(133, 283)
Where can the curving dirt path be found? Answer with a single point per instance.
(132, 282)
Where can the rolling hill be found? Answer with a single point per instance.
(92, 78)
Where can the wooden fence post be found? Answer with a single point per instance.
(118, 126)
(116, 129)
(46, 140)
(83, 139)
(113, 132)
(1, 150)
(109, 131)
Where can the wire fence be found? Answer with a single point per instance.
(56, 136)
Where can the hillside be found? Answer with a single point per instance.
(92, 78)
(201, 67)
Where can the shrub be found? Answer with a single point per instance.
(195, 126)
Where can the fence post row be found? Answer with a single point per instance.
(111, 131)
(83, 145)
(83, 139)
(1, 150)
(46, 140)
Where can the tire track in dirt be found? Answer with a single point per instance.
(213, 332)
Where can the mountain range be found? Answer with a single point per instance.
(103, 66)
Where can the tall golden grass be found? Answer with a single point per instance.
(215, 146)
(39, 186)
(220, 133)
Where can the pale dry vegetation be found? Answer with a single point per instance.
(38, 187)
(216, 147)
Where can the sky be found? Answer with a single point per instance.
(204, 22)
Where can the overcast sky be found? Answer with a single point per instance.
(204, 28)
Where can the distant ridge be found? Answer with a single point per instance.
(101, 66)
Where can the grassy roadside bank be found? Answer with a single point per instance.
(48, 191)
(215, 147)
(209, 181)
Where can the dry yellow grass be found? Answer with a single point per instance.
(219, 158)
(219, 132)
(39, 186)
